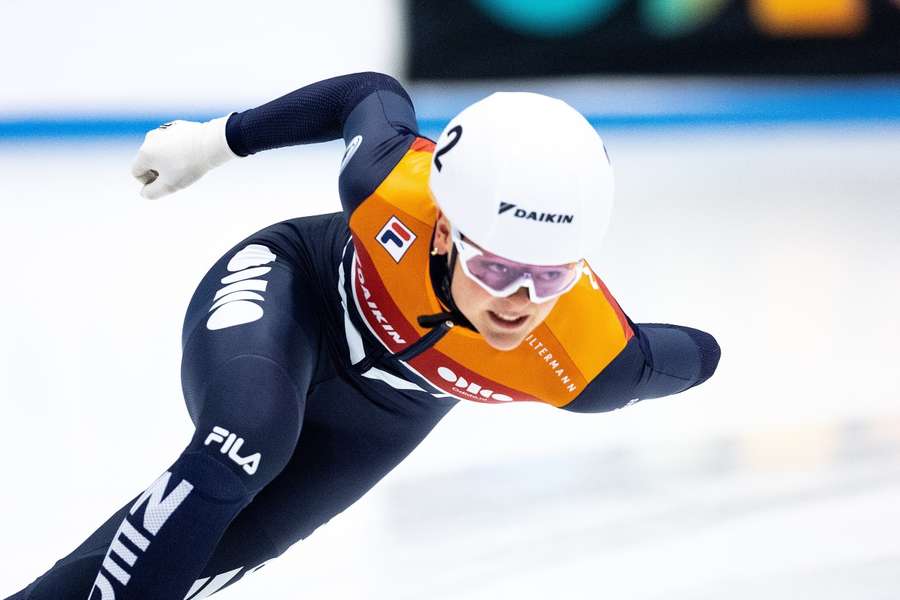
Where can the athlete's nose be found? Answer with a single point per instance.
(518, 299)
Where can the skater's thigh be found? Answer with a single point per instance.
(258, 300)
(349, 441)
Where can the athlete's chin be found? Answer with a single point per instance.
(504, 340)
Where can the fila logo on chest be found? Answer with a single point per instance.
(396, 238)
(236, 302)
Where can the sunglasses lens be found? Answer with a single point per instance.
(550, 281)
(500, 275)
(505, 277)
(494, 272)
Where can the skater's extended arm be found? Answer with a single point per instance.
(317, 113)
(371, 108)
(659, 360)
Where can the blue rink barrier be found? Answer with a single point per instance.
(614, 103)
(86, 126)
(630, 103)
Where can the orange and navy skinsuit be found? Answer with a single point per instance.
(586, 356)
(309, 375)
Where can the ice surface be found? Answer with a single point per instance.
(778, 479)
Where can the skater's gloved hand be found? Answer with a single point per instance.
(175, 155)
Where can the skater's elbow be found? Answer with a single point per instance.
(371, 81)
(709, 353)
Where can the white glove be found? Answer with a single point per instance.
(175, 155)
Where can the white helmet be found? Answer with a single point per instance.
(526, 177)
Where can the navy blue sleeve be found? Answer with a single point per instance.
(659, 360)
(370, 111)
(314, 113)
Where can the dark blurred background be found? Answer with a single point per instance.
(537, 38)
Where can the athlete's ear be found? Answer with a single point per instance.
(442, 241)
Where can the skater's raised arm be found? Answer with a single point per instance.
(177, 154)
(316, 113)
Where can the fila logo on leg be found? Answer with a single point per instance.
(396, 238)
(231, 445)
(236, 302)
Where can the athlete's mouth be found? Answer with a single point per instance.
(507, 320)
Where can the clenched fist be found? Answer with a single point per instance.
(175, 155)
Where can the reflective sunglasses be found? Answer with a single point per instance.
(501, 277)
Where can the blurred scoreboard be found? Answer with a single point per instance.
(537, 38)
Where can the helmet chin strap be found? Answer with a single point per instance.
(441, 281)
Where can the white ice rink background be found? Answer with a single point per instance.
(779, 478)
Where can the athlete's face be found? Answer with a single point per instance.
(503, 322)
